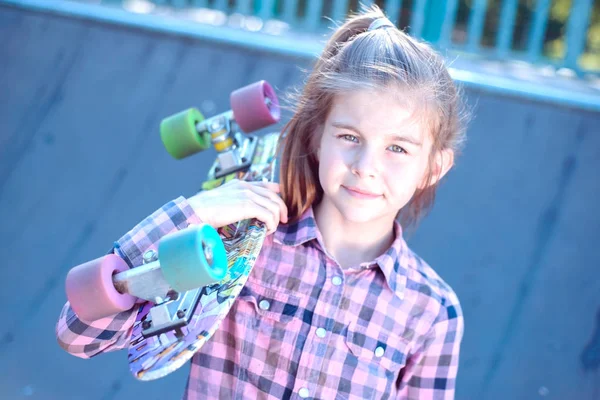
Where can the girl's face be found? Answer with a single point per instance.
(372, 156)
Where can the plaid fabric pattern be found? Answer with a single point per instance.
(303, 327)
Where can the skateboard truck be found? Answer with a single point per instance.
(253, 107)
(171, 314)
(192, 260)
(235, 150)
(171, 311)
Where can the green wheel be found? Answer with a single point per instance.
(179, 135)
(192, 258)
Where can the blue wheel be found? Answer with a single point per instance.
(192, 258)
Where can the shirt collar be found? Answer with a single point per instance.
(296, 233)
(390, 262)
(393, 262)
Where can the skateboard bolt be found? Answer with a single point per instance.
(180, 314)
(146, 324)
(150, 256)
(217, 125)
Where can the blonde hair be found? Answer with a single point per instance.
(356, 58)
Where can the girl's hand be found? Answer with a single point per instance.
(238, 200)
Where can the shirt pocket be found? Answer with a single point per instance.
(377, 351)
(274, 305)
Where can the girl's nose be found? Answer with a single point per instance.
(365, 164)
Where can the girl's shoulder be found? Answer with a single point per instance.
(423, 279)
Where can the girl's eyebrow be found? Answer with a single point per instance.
(399, 138)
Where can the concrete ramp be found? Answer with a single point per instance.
(514, 230)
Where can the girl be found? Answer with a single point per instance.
(337, 305)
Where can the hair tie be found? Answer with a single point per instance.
(381, 22)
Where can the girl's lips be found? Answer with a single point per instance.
(360, 194)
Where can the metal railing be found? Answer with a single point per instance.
(290, 27)
(562, 33)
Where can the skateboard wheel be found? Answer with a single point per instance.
(192, 258)
(91, 292)
(179, 135)
(255, 106)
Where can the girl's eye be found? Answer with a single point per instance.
(397, 149)
(350, 138)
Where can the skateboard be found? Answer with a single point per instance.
(185, 289)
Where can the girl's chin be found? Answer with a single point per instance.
(358, 215)
(355, 212)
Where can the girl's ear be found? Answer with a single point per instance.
(442, 163)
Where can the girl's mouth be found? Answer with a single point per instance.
(360, 193)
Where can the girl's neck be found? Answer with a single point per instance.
(352, 243)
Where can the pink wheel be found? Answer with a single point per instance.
(91, 292)
(255, 106)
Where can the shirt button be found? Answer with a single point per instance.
(336, 280)
(264, 305)
(321, 332)
(303, 393)
(379, 351)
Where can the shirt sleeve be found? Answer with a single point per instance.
(87, 339)
(430, 373)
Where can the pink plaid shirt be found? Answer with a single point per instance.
(303, 327)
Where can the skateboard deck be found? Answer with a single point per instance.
(183, 292)
(156, 356)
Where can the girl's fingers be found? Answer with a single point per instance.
(282, 211)
(269, 205)
(237, 200)
(264, 215)
(272, 186)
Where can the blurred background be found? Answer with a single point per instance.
(85, 84)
